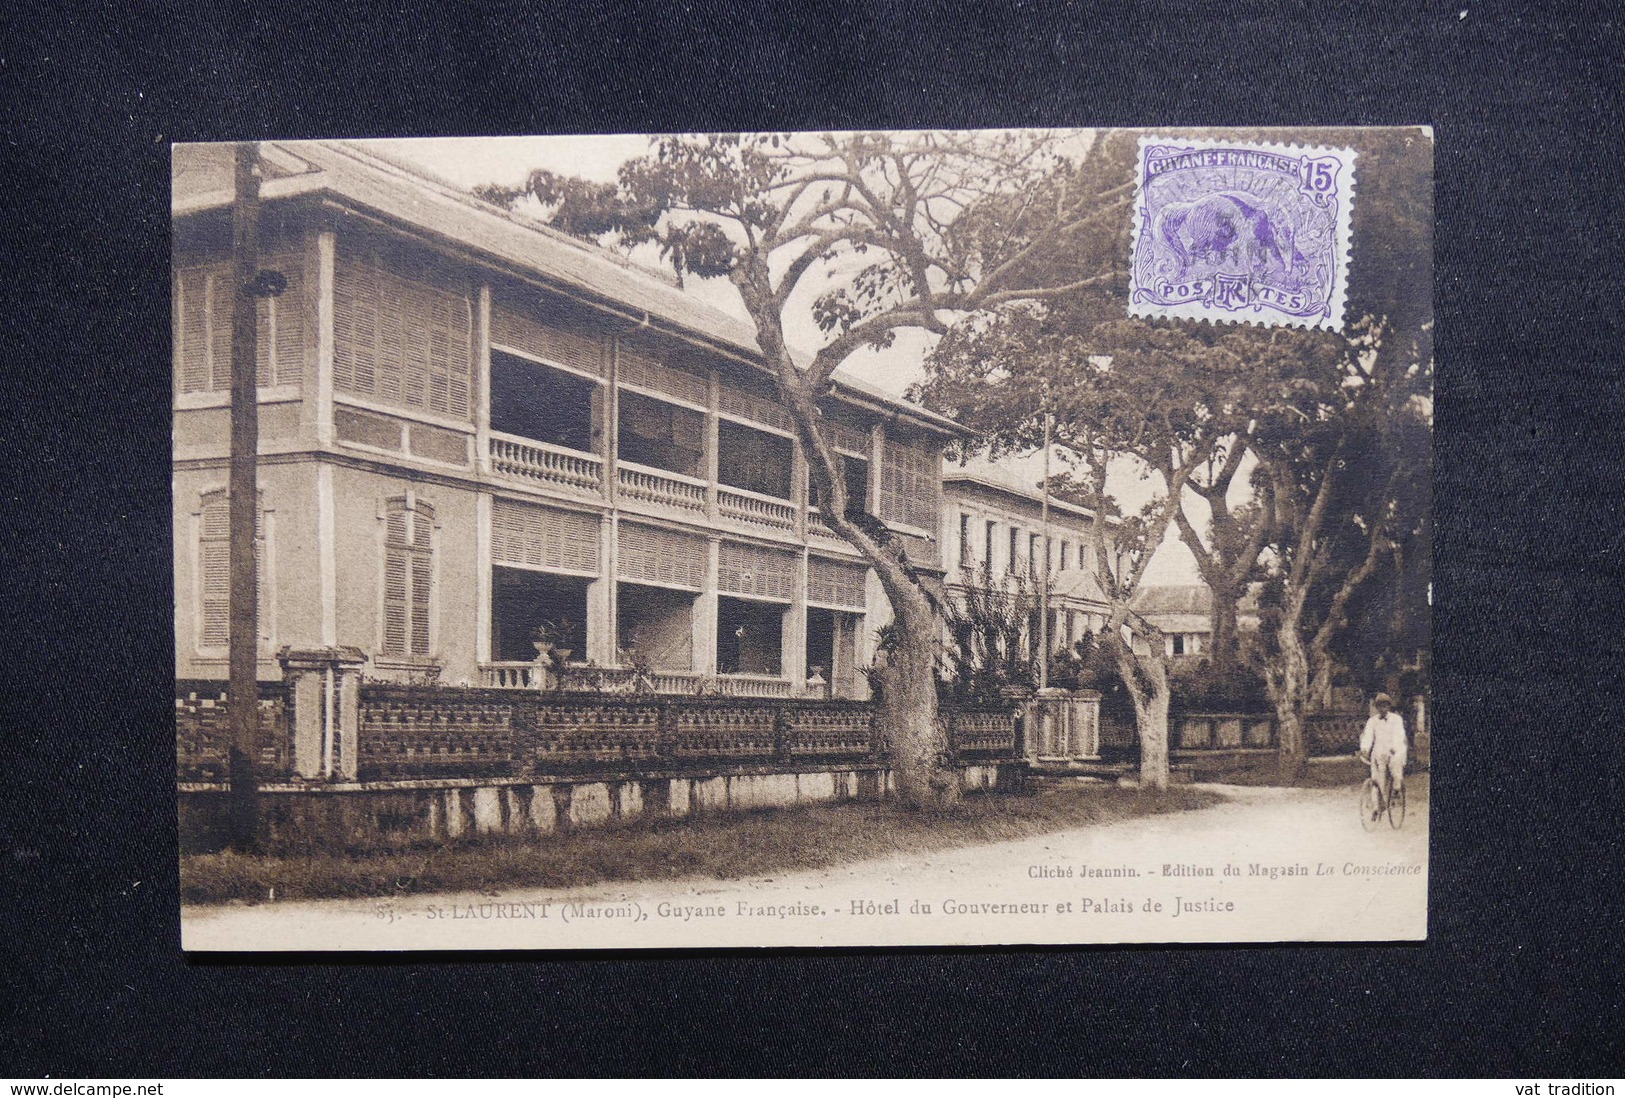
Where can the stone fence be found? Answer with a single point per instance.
(1324, 733)
(322, 727)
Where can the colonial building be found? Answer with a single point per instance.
(474, 429)
(993, 533)
(1184, 613)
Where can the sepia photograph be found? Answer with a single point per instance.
(805, 539)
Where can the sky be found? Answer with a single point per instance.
(468, 161)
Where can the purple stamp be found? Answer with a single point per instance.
(1241, 232)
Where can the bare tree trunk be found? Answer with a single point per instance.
(1289, 690)
(911, 724)
(242, 507)
(1147, 681)
(1152, 715)
(1222, 657)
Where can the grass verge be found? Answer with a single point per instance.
(725, 846)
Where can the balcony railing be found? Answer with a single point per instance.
(755, 509)
(514, 675)
(511, 675)
(818, 526)
(544, 463)
(640, 482)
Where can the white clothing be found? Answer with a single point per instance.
(1383, 742)
(1383, 734)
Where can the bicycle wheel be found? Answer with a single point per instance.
(1370, 804)
(1396, 808)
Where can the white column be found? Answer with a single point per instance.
(705, 613)
(482, 379)
(793, 639)
(326, 261)
(482, 578)
(601, 645)
(877, 457)
(327, 552)
(713, 401)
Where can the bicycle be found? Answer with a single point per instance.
(1379, 799)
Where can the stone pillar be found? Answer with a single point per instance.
(705, 614)
(601, 609)
(793, 638)
(481, 397)
(324, 685)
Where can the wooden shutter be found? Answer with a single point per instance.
(522, 328)
(836, 583)
(757, 571)
(408, 576)
(397, 584)
(400, 340)
(543, 538)
(203, 300)
(665, 558)
(841, 436)
(214, 565)
(639, 367)
(908, 485)
(741, 405)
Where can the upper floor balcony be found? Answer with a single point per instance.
(565, 431)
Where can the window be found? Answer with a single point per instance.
(214, 567)
(964, 540)
(402, 341)
(753, 460)
(1065, 546)
(535, 401)
(1015, 542)
(1034, 561)
(408, 576)
(203, 308)
(856, 471)
(661, 435)
(908, 484)
(987, 546)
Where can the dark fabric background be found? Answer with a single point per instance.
(1521, 974)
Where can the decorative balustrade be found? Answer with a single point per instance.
(818, 526)
(544, 463)
(515, 675)
(754, 686)
(511, 675)
(755, 509)
(655, 486)
(416, 731)
(982, 733)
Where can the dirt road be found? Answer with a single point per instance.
(1266, 865)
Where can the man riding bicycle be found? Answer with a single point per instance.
(1382, 744)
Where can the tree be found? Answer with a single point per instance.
(1350, 492)
(1117, 391)
(906, 231)
(991, 642)
(1198, 404)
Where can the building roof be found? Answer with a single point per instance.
(1194, 598)
(1190, 600)
(1011, 482)
(202, 180)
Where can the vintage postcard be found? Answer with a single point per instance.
(803, 539)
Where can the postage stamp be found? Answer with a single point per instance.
(1241, 232)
